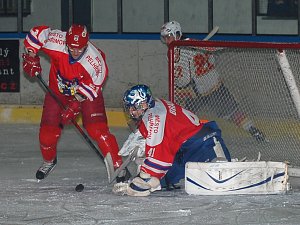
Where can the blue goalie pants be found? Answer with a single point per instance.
(199, 148)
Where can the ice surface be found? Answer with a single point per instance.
(54, 201)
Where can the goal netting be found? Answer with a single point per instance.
(250, 89)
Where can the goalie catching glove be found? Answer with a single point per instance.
(142, 185)
(135, 139)
(31, 64)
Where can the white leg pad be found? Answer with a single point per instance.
(230, 178)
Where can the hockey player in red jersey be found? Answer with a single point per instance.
(173, 136)
(77, 74)
(196, 76)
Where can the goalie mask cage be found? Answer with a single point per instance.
(248, 88)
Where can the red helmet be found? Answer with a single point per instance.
(77, 36)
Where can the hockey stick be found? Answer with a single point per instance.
(130, 158)
(84, 135)
(211, 33)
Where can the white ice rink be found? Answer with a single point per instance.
(54, 201)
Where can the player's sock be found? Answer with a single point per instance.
(45, 169)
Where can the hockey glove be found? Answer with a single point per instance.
(135, 139)
(71, 112)
(86, 91)
(31, 65)
(142, 185)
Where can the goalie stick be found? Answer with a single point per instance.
(130, 158)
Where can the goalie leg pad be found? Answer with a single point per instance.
(229, 178)
(140, 186)
(143, 186)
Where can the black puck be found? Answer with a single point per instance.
(79, 188)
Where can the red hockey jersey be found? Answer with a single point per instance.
(89, 71)
(166, 127)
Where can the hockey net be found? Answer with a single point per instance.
(250, 89)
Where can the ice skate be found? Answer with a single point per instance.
(45, 169)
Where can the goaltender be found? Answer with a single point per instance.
(173, 136)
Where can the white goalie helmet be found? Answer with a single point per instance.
(170, 28)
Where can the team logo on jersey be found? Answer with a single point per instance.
(65, 86)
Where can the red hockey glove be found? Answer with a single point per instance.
(87, 91)
(70, 112)
(31, 65)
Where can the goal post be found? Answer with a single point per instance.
(251, 89)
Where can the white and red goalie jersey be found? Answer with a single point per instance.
(88, 73)
(165, 127)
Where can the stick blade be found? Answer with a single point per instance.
(211, 33)
(109, 167)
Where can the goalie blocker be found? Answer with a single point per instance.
(231, 178)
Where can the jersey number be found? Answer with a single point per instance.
(151, 152)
